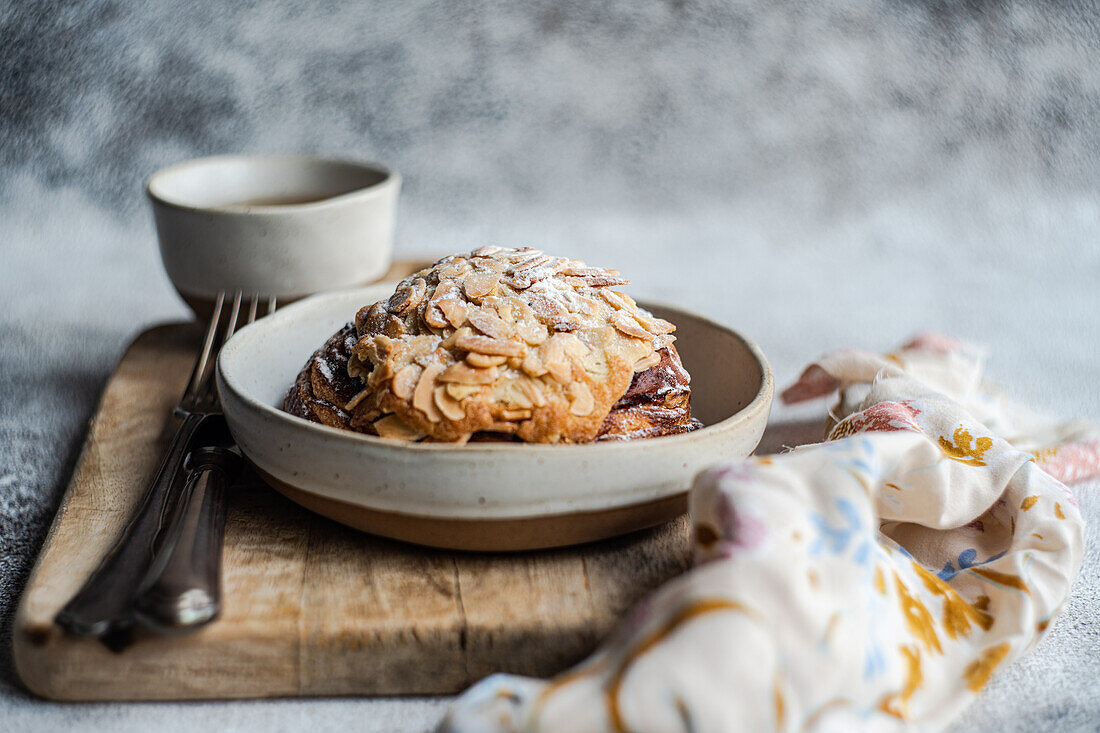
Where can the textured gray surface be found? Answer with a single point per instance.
(817, 174)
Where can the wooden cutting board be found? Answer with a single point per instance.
(311, 607)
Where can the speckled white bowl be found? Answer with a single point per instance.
(483, 496)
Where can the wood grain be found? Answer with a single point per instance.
(311, 607)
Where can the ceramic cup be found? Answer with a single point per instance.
(282, 225)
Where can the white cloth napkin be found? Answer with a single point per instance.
(872, 582)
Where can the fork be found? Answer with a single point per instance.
(165, 568)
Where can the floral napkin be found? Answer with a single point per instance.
(872, 582)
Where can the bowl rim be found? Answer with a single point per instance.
(390, 179)
(761, 400)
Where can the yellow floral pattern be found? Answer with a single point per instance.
(897, 704)
(979, 671)
(964, 449)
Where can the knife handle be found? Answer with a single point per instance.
(104, 604)
(182, 589)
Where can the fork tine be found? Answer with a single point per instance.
(200, 388)
(207, 392)
(234, 313)
(197, 373)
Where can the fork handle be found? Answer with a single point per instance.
(104, 604)
(182, 589)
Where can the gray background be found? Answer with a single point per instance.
(817, 174)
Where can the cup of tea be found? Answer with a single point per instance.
(282, 225)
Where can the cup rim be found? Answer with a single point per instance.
(390, 179)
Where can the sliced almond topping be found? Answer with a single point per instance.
(447, 288)
(462, 373)
(617, 300)
(612, 298)
(448, 405)
(489, 324)
(395, 327)
(356, 400)
(663, 326)
(552, 353)
(593, 272)
(506, 311)
(520, 309)
(422, 395)
(462, 391)
(654, 325)
(565, 323)
(491, 346)
(453, 310)
(449, 342)
(552, 349)
(626, 324)
(401, 300)
(391, 426)
(538, 260)
(483, 361)
(532, 332)
(382, 371)
(512, 395)
(485, 340)
(595, 280)
(371, 318)
(530, 271)
(479, 284)
(521, 254)
(489, 264)
(547, 309)
(454, 269)
(582, 400)
(434, 316)
(532, 364)
(647, 362)
(408, 297)
(573, 346)
(405, 381)
(662, 341)
(570, 266)
(587, 305)
(561, 371)
(533, 390)
(378, 348)
(516, 414)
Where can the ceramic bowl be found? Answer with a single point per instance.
(483, 496)
(283, 225)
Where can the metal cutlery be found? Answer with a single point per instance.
(165, 568)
